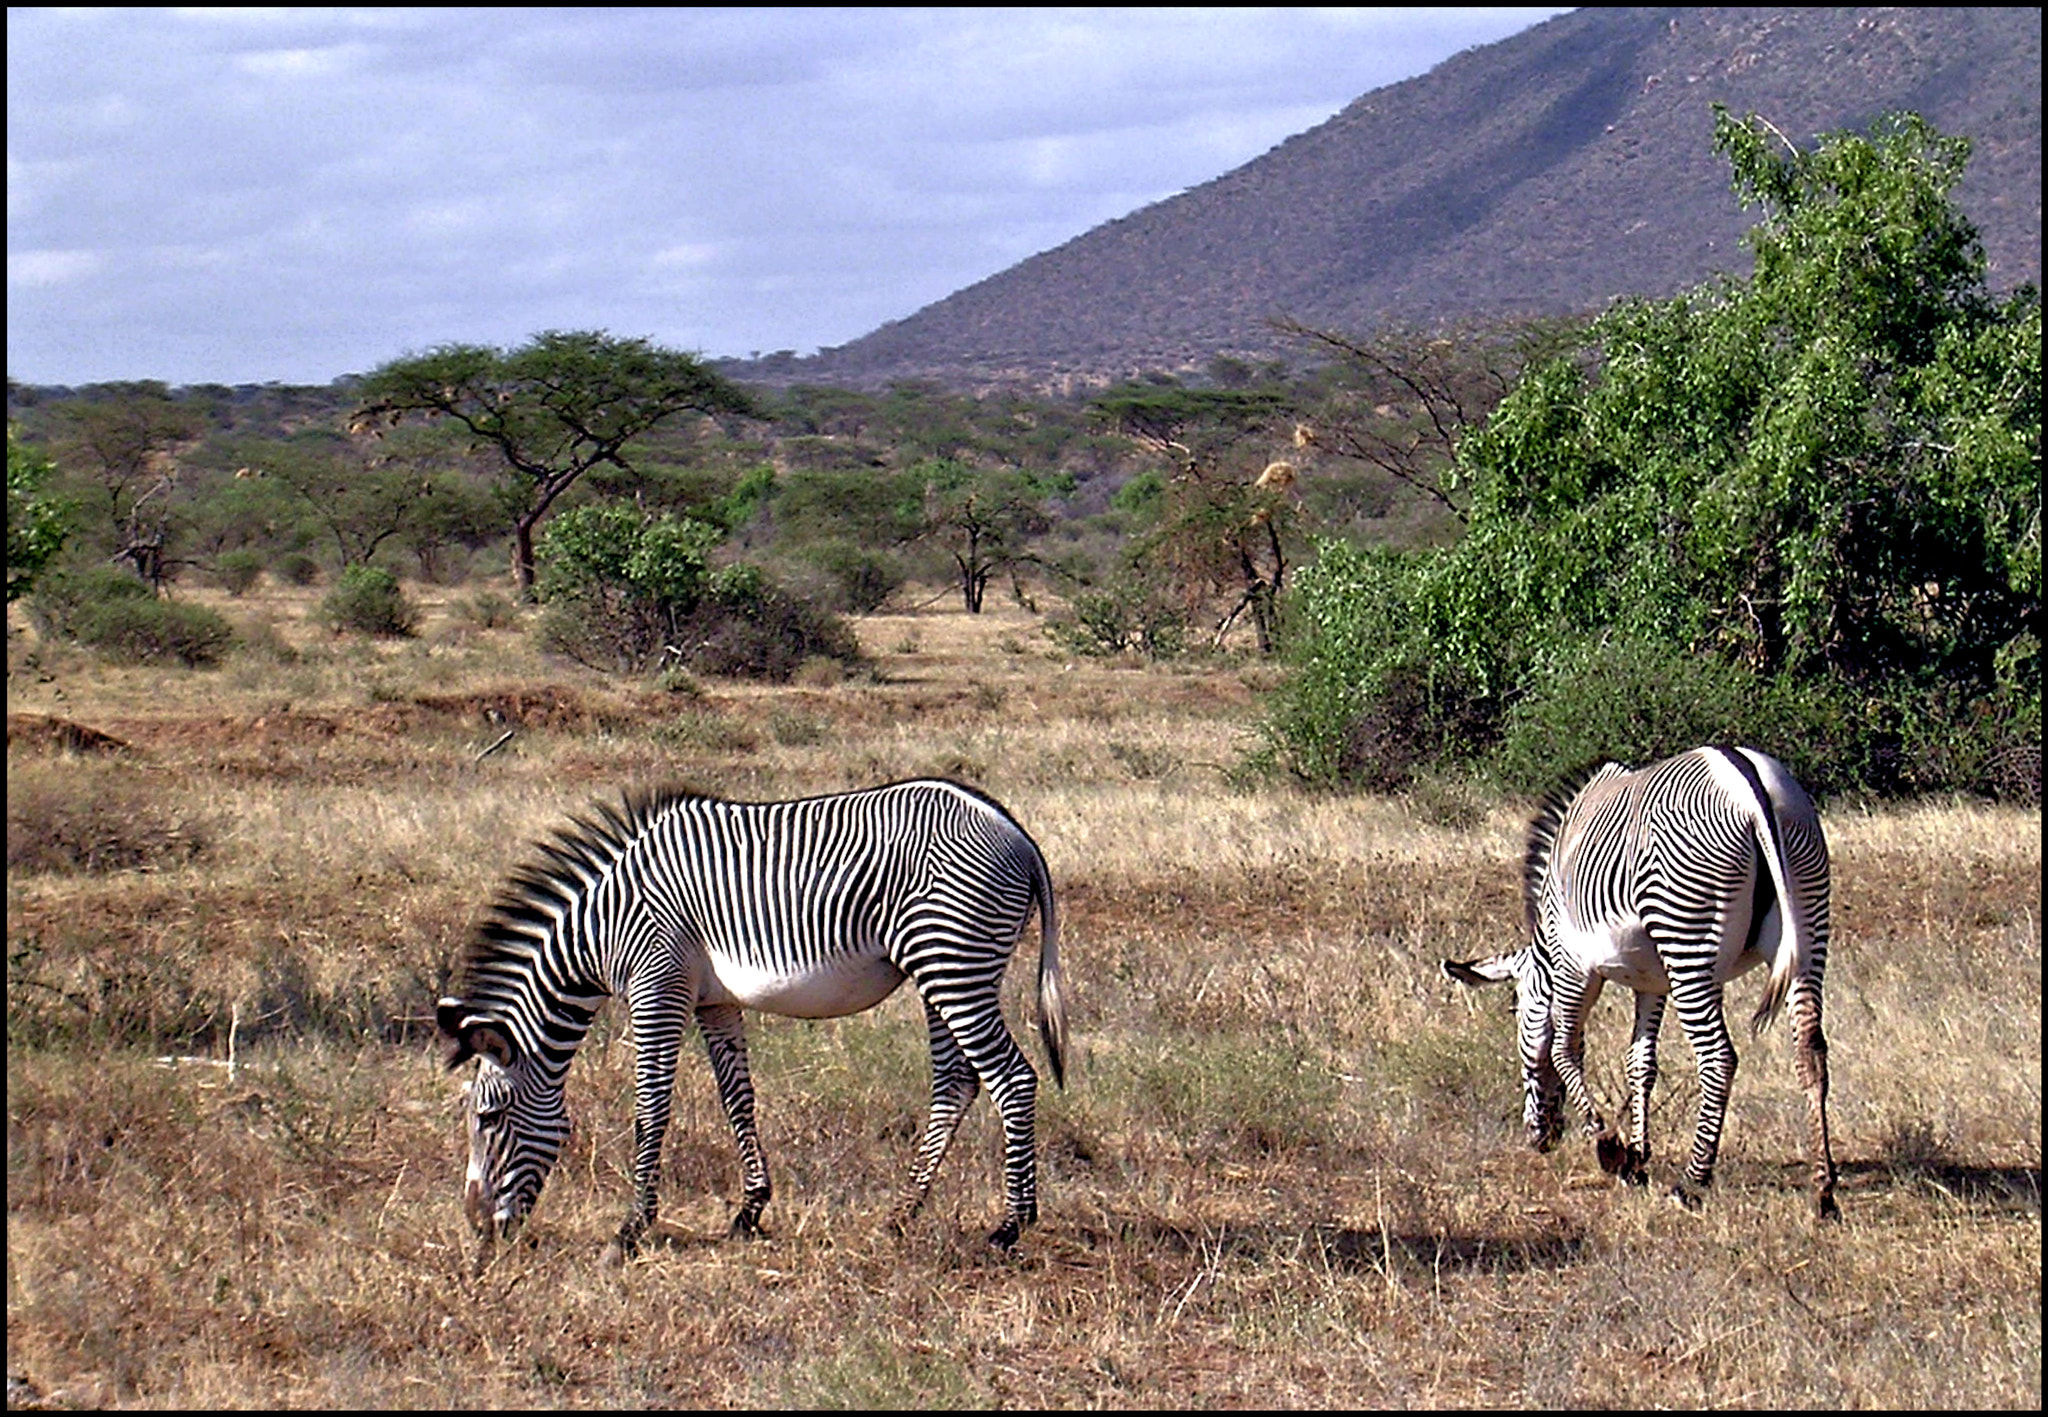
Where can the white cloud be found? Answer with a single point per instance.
(687, 255)
(50, 268)
(302, 65)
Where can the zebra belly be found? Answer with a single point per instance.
(1624, 953)
(1621, 953)
(828, 988)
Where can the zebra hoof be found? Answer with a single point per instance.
(1825, 1208)
(1006, 1235)
(1613, 1153)
(746, 1227)
(1685, 1200)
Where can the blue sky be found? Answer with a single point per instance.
(242, 196)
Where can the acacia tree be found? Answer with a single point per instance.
(986, 518)
(552, 410)
(362, 496)
(1222, 528)
(120, 440)
(1404, 398)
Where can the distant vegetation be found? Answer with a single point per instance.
(1800, 509)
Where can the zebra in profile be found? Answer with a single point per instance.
(1671, 880)
(690, 906)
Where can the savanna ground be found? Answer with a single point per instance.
(1287, 1169)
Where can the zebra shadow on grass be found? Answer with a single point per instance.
(1349, 1248)
(2012, 1190)
(2007, 1190)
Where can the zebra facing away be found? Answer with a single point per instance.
(693, 907)
(1671, 880)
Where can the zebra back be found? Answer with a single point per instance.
(1541, 839)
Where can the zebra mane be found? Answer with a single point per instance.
(559, 868)
(1542, 834)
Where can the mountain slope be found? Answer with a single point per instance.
(1547, 172)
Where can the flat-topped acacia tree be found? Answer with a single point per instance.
(562, 404)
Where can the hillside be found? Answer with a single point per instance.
(1546, 173)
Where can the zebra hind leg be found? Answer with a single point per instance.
(953, 1090)
(1810, 1046)
(977, 1027)
(725, 1043)
(1706, 1028)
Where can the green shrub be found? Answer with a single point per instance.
(369, 601)
(629, 592)
(860, 581)
(619, 585)
(151, 631)
(1126, 617)
(1631, 700)
(1364, 698)
(297, 568)
(747, 627)
(61, 596)
(109, 609)
(237, 571)
(1986, 745)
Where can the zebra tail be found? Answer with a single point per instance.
(1052, 1005)
(1794, 941)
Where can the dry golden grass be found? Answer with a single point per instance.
(1286, 1172)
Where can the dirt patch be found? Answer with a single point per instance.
(44, 733)
(543, 706)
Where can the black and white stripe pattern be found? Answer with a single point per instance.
(1671, 880)
(692, 908)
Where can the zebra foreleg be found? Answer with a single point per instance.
(725, 1042)
(953, 1090)
(654, 1086)
(1634, 1159)
(1572, 1000)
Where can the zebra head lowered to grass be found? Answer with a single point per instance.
(1671, 880)
(693, 908)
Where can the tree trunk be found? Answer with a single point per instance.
(522, 556)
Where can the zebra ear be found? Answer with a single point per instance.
(1479, 973)
(471, 1034)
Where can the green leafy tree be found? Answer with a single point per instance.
(36, 522)
(1825, 474)
(552, 410)
(620, 585)
(359, 500)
